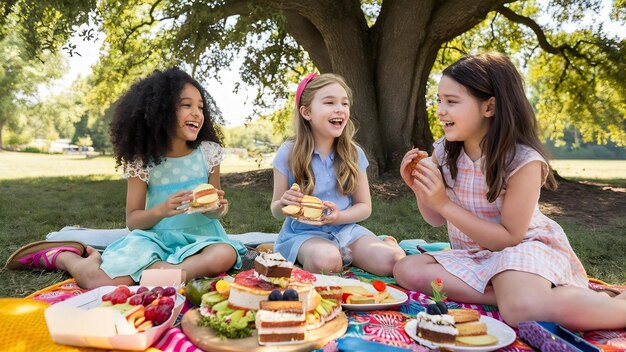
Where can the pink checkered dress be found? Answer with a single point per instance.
(545, 250)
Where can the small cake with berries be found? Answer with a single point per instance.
(281, 319)
(455, 326)
(435, 325)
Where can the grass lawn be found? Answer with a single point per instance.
(87, 192)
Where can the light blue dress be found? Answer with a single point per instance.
(175, 238)
(294, 233)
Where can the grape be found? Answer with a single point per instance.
(442, 307)
(142, 289)
(136, 300)
(290, 295)
(275, 295)
(169, 291)
(162, 314)
(118, 297)
(166, 301)
(150, 313)
(148, 298)
(158, 290)
(433, 309)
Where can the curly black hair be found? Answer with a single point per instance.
(145, 118)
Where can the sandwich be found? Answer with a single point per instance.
(204, 196)
(420, 156)
(311, 208)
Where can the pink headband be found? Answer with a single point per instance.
(301, 87)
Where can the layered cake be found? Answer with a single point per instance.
(436, 327)
(330, 292)
(280, 322)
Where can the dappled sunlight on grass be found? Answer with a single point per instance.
(23, 165)
(590, 169)
(14, 165)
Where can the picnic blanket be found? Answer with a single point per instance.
(385, 327)
(26, 329)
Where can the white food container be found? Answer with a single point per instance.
(79, 321)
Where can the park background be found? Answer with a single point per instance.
(55, 163)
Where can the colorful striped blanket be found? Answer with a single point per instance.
(385, 327)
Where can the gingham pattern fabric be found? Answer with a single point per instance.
(545, 250)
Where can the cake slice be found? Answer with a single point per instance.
(280, 322)
(272, 265)
(437, 328)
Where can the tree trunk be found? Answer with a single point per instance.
(386, 65)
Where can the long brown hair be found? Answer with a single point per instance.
(346, 155)
(494, 75)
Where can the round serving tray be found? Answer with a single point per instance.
(205, 338)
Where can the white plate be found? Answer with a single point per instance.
(399, 296)
(193, 210)
(500, 330)
(309, 222)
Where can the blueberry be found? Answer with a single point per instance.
(275, 295)
(290, 295)
(442, 307)
(433, 309)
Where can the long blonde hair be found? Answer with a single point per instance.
(346, 155)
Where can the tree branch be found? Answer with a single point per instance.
(561, 50)
(144, 23)
(467, 14)
(305, 34)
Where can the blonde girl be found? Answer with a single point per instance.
(325, 161)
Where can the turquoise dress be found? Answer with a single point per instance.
(175, 238)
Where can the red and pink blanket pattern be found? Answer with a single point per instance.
(379, 326)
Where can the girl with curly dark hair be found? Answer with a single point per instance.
(163, 136)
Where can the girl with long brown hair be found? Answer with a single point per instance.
(484, 181)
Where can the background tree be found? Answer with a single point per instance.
(386, 50)
(20, 76)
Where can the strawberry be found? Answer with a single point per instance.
(379, 285)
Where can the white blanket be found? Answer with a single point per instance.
(101, 238)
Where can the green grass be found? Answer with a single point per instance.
(608, 171)
(33, 206)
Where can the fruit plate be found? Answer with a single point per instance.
(504, 333)
(399, 296)
(206, 339)
(80, 321)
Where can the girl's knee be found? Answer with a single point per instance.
(324, 263)
(385, 264)
(220, 257)
(520, 309)
(408, 275)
